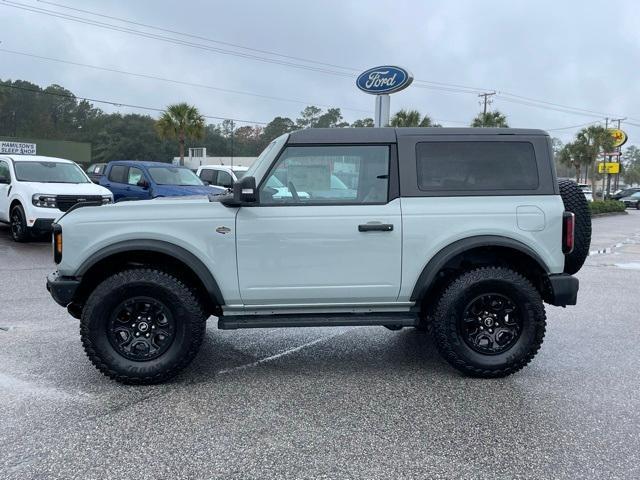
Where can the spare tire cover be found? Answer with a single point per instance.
(576, 203)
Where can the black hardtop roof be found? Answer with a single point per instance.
(389, 135)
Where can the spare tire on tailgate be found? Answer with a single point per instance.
(576, 203)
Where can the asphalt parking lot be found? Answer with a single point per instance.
(328, 403)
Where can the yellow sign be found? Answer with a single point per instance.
(608, 167)
(619, 137)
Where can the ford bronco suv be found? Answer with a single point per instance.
(460, 232)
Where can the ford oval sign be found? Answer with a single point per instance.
(383, 80)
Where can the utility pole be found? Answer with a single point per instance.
(605, 177)
(233, 127)
(616, 180)
(486, 100)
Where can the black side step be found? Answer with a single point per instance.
(399, 319)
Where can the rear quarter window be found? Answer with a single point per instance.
(476, 166)
(118, 173)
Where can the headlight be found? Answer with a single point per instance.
(107, 199)
(44, 201)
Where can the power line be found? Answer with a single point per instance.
(118, 104)
(243, 47)
(198, 37)
(176, 41)
(572, 126)
(322, 67)
(171, 80)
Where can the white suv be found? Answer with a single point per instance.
(35, 190)
(221, 175)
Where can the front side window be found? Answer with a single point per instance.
(135, 175)
(4, 170)
(328, 174)
(49, 172)
(224, 179)
(476, 166)
(208, 175)
(174, 176)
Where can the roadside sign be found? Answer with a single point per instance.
(381, 81)
(619, 137)
(612, 154)
(384, 80)
(19, 148)
(608, 167)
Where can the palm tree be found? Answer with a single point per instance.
(181, 121)
(589, 144)
(490, 119)
(570, 155)
(411, 118)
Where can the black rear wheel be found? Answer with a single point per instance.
(142, 326)
(490, 322)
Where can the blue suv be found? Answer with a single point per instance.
(136, 180)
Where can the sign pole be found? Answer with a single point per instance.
(383, 104)
(382, 81)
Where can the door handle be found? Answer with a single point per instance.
(375, 227)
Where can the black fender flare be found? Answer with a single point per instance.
(166, 248)
(440, 259)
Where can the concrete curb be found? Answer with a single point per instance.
(608, 214)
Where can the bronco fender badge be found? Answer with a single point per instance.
(223, 230)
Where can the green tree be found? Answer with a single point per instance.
(411, 118)
(276, 127)
(490, 119)
(570, 156)
(631, 165)
(332, 118)
(589, 144)
(181, 121)
(309, 117)
(363, 122)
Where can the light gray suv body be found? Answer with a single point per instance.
(460, 231)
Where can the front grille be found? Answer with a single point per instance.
(65, 202)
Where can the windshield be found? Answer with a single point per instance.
(262, 163)
(49, 172)
(240, 173)
(174, 176)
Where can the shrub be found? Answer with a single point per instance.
(606, 206)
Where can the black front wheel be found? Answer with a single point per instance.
(142, 326)
(18, 225)
(490, 322)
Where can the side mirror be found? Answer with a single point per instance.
(143, 183)
(4, 180)
(244, 192)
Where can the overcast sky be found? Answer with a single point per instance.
(583, 54)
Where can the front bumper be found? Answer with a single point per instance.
(42, 225)
(62, 289)
(564, 289)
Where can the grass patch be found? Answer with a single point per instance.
(606, 206)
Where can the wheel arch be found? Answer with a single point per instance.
(149, 253)
(477, 251)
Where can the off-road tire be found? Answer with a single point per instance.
(450, 309)
(575, 202)
(190, 321)
(18, 225)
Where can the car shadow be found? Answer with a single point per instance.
(352, 351)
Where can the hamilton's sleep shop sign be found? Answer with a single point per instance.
(18, 148)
